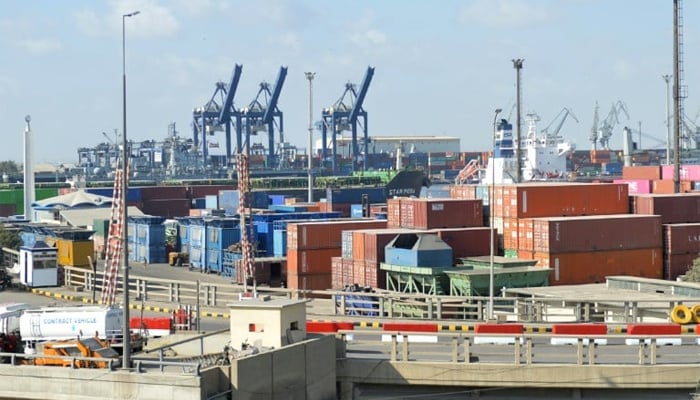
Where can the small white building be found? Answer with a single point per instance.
(266, 322)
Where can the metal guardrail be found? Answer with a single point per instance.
(515, 349)
(383, 304)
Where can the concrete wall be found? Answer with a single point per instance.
(33, 382)
(211, 344)
(304, 370)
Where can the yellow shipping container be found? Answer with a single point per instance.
(74, 252)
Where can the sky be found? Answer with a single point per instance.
(441, 67)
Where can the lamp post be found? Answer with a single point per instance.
(492, 199)
(667, 78)
(126, 333)
(310, 77)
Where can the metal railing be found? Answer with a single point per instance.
(517, 349)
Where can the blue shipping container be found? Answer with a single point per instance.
(356, 211)
(280, 243)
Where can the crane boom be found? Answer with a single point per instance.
(225, 115)
(274, 97)
(357, 106)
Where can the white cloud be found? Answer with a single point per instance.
(39, 46)
(153, 19)
(500, 13)
(365, 33)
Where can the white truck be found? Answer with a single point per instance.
(60, 323)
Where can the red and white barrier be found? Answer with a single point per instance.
(500, 333)
(151, 326)
(670, 333)
(407, 327)
(570, 333)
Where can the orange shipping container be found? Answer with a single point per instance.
(593, 267)
(316, 261)
(358, 272)
(337, 277)
(393, 212)
(525, 235)
(309, 282)
(561, 199)
(358, 245)
(467, 192)
(650, 172)
(327, 234)
(374, 277)
(510, 233)
(376, 240)
(663, 187)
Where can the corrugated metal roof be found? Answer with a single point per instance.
(86, 216)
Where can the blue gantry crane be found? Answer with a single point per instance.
(342, 116)
(261, 115)
(216, 115)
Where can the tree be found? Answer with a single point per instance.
(9, 238)
(693, 274)
(10, 168)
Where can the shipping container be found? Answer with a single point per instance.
(594, 266)
(641, 172)
(309, 282)
(673, 208)
(198, 191)
(393, 212)
(636, 186)
(596, 233)
(422, 213)
(346, 245)
(375, 241)
(325, 235)
(525, 235)
(165, 192)
(279, 237)
(337, 276)
(312, 261)
(466, 242)
(168, 208)
(358, 250)
(510, 233)
(358, 272)
(687, 172)
(682, 238)
(74, 253)
(467, 192)
(532, 200)
(374, 276)
(676, 265)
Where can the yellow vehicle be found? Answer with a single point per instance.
(175, 258)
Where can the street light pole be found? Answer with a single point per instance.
(492, 199)
(667, 78)
(310, 77)
(126, 330)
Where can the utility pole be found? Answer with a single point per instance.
(518, 65)
(676, 100)
(310, 77)
(667, 78)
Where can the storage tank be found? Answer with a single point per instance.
(59, 323)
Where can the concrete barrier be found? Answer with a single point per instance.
(410, 327)
(502, 333)
(667, 334)
(571, 332)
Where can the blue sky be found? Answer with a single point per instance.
(442, 67)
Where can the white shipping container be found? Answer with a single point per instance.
(60, 323)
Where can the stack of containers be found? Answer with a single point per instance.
(640, 178)
(312, 245)
(166, 201)
(680, 216)
(220, 234)
(586, 249)
(149, 246)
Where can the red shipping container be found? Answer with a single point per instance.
(642, 172)
(530, 200)
(374, 277)
(327, 234)
(309, 282)
(163, 192)
(199, 191)
(337, 277)
(682, 238)
(168, 208)
(663, 187)
(676, 265)
(441, 213)
(7, 210)
(673, 208)
(348, 276)
(376, 240)
(636, 186)
(596, 233)
(467, 192)
(594, 266)
(316, 261)
(468, 242)
(358, 272)
(393, 212)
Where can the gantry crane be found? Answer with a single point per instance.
(228, 109)
(342, 116)
(565, 112)
(260, 115)
(603, 132)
